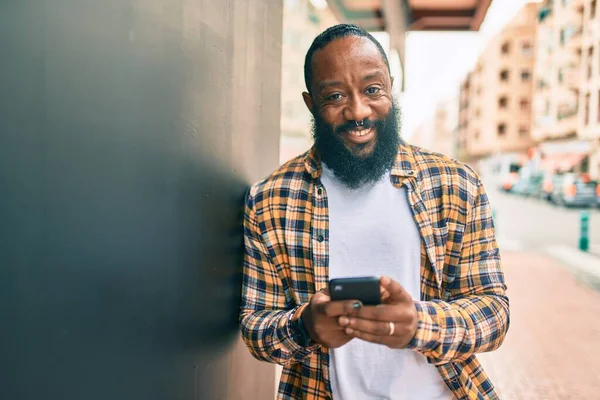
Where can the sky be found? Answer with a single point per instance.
(436, 62)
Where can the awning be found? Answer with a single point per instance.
(570, 161)
(562, 162)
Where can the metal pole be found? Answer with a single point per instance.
(584, 240)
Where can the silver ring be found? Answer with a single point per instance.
(392, 328)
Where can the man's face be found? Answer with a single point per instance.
(351, 84)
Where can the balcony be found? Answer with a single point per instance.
(566, 118)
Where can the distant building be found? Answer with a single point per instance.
(440, 132)
(567, 86)
(495, 97)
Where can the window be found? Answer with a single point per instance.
(561, 75)
(587, 109)
(523, 131)
(503, 102)
(501, 129)
(593, 9)
(525, 75)
(526, 49)
(504, 75)
(524, 104)
(505, 49)
(563, 36)
(590, 61)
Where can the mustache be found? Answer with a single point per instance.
(351, 125)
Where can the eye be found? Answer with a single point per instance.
(334, 97)
(373, 90)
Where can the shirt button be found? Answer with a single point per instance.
(320, 238)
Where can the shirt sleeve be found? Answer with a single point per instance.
(264, 317)
(476, 317)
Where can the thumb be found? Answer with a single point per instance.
(321, 297)
(397, 294)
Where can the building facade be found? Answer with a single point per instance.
(566, 120)
(495, 97)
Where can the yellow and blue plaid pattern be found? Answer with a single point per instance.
(463, 308)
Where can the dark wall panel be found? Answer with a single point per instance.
(129, 131)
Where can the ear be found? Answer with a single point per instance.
(308, 101)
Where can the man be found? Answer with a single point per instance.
(363, 203)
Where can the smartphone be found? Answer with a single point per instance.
(365, 289)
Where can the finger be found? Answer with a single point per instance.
(383, 312)
(384, 294)
(338, 308)
(378, 328)
(369, 337)
(397, 293)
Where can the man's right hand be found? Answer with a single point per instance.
(321, 318)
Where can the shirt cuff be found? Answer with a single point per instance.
(427, 336)
(298, 351)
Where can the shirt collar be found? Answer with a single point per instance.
(404, 165)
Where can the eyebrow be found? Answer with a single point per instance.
(327, 84)
(376, 74)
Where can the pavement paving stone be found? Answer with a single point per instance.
(552, 349)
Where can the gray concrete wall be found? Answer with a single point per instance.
(129, 131)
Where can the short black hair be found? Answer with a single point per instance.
(328, 36)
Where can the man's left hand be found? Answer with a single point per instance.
(396, 315)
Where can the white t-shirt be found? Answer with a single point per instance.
(372, 232)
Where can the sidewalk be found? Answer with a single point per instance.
(552, 350)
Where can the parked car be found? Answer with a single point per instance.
(574, 190)
(510, 175)
(545, 192)
(527, 183)
(535, 185)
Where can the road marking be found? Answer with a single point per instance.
(578, 260)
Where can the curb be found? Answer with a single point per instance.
(585, 266)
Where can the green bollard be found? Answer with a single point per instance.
(584, 239)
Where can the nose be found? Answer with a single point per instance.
(357, 109)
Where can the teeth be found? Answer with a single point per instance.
(362, 132)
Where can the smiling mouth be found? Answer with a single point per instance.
(360, 135)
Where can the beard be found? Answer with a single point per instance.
(355, 170)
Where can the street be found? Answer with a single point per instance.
(529, 224)
(551, 350)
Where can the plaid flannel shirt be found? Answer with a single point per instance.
(463, 308)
